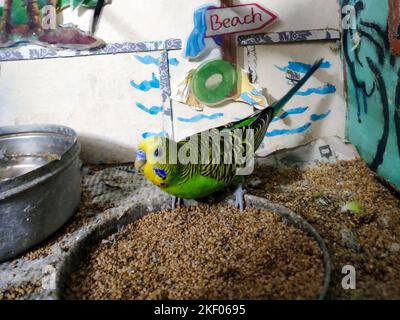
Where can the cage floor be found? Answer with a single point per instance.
(368, 240)
(203, 252)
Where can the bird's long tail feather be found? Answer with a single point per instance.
(278, 106)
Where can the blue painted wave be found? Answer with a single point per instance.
(327, 89)
(302, 67)
(248, 99)
(154, 110)
(319, 117)
(152, 134)
(201, 117)
(145, 86)
(256, 93)
(302, 129)
(282, 132)
(174, 62)
(148, 60)
(287, 113)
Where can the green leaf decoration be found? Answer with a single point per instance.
(76, 3)
(354, 207)
(62, 4)
(89, 3)
(41, 3)
(19, 14)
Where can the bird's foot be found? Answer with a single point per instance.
(176, 202)
(239, 198)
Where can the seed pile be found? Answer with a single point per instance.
(19, 293)
(369, 240)
(206, 252)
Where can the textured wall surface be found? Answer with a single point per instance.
(373, 89)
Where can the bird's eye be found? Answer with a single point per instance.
(157, 153)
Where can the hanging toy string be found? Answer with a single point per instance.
(229, 48)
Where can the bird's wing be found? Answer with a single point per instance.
(218, 149)
(259, 122)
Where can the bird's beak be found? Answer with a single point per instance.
(140, 160)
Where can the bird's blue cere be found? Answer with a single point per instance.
(141, 155)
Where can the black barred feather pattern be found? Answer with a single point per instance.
(219, 165)
(211, 157)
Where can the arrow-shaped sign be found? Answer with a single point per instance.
(238, 19)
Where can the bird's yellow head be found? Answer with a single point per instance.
(152, 158)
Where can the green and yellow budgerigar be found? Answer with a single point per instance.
(185, 179)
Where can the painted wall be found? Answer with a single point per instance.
(318, 110)
(373, 85)
(113, 101)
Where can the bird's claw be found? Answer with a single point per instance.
(239, 198)
(176, 202)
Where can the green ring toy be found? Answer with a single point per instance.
(214, 94)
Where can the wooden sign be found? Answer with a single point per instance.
(238, 19)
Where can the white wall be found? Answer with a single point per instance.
(94, 96)
(133, 20)
(326, 109)
(303, 14)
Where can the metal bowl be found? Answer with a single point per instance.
(40, 184)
